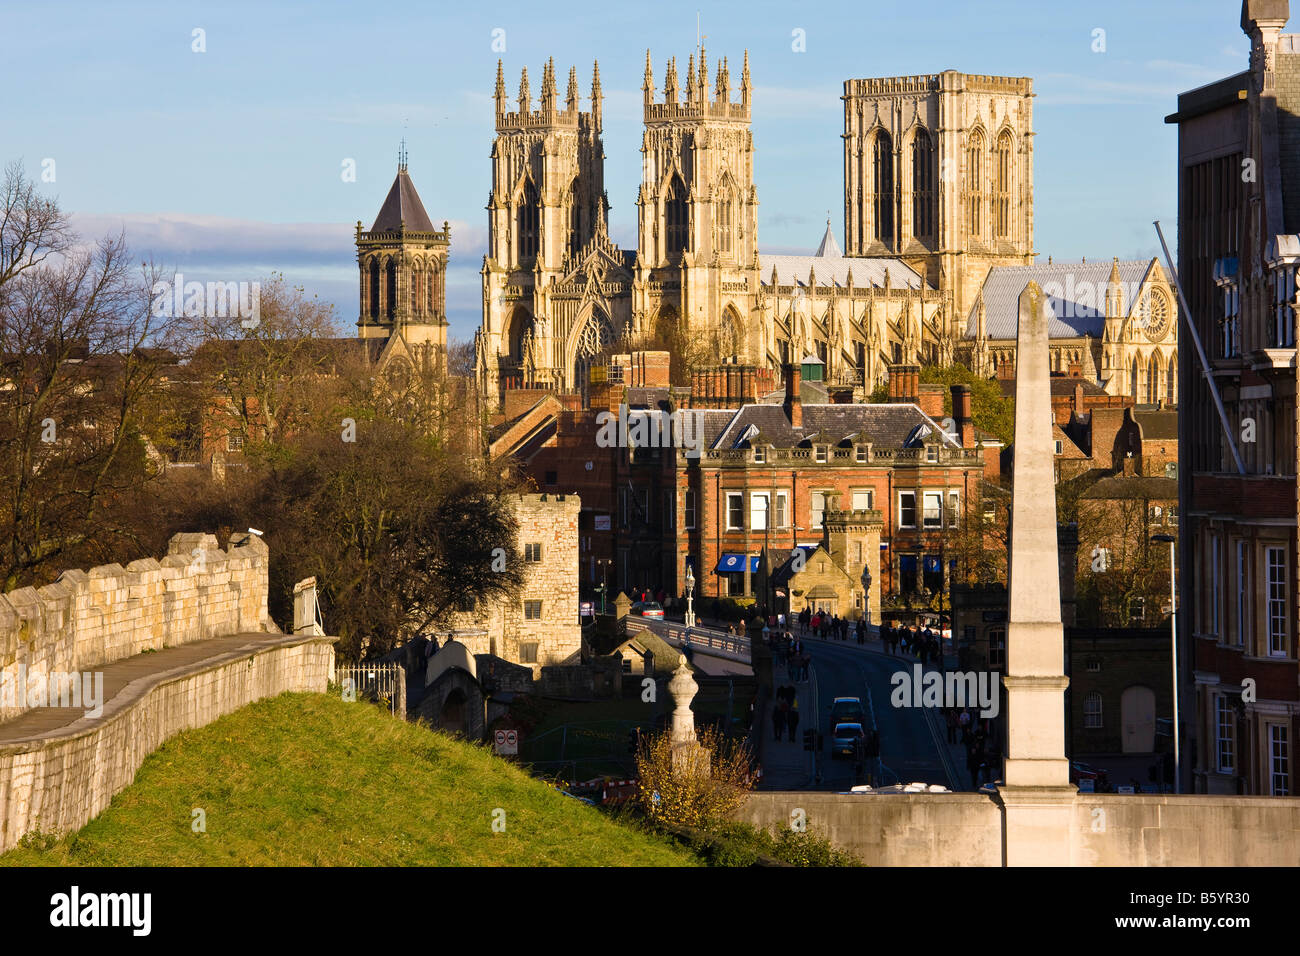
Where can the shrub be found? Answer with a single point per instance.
(700, 794)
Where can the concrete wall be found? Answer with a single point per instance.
(921, 829)
(59, 782)
(87, 619)
(966, 829)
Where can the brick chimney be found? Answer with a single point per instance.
(930, 399)
(793, 405)
(961, 415)
(904, 384)
(1078, 398)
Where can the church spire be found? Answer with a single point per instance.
(744, 82)
(690, 81)
(500, 93)
(723, 92)
(596, 96)
(548, 86)
(670, 81)
(648, 85)
(571, 97)
(525, 99)
(703, 83)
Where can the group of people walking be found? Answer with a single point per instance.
(919, 642)
(788, 649)
(830, 626)
(785, 713)
(983, 761)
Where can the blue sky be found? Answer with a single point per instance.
(226, 164)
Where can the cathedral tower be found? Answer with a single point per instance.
(697, 210)
(938, 172)
(546, 206)
(403, 265)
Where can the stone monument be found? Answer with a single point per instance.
(1037, 797)
(687, 752)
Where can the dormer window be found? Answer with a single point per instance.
(860, 454)
(820, 453)
(760, 454)
(932, 453)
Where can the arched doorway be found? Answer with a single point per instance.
(521, 322)
(1137, 709)
(454, 716)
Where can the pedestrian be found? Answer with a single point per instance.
(778, 718)
(963, 724)
(792, 719)
(950, 715)
(807, 666)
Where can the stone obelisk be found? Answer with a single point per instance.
(1037, 796)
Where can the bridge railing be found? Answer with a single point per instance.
(706, 640)
(383, 683)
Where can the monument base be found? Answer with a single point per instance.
(1036, 825)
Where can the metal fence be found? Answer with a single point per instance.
(382, 683)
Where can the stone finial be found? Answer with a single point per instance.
(683, 689)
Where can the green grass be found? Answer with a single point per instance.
(309, 780)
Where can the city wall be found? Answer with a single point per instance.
(968, 829)
(87, 619)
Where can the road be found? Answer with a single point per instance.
(913, 743)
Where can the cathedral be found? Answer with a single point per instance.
(938, 224)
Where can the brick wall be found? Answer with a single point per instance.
(87, 619)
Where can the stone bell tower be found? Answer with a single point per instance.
(403, 266)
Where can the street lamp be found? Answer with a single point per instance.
(1173, 643)
(690, 588)
(604, 585)
(866, 594)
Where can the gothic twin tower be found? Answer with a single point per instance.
(938, 188)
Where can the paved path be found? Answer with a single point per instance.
(134, 675)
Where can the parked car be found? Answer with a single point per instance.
(648, 609)
(848, 710)
(845, 738)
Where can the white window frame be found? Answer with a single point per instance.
(1241, 593)
(860, 454)
(819, 454)
(781, 519)
(901, 496)
(1060, 447)
(871, 498)
(759, 518)
(1225, 735)
(738, 496)
(760, 455)
(1093, 711)
(689, 508)
(1279, 760)
(926, 497)
(1277, 598)
(816, 514)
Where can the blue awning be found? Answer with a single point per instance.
(735, 564)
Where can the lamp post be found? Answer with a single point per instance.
(1173, 644)
(604, 581)
(690, 588)
(866, 594)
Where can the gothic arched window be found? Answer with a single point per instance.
(883, 183)
(431, 298)
(528, 219)
(726, 222)
(374, 288)
(391, 290)
(1133, 379)
(575, 220)
(1171, 396)
(975, 184)
(675, 238)
(923, 186)
(1153, 380)
(1002, 186)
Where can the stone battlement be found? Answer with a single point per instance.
(87, 619)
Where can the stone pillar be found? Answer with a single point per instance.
(305, 608)
(686, 749)
(1037, 796)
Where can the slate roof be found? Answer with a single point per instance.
(885, 425)
(1157, 426)
(1134, 486)
(1074, 318)
(831, 265)
(402, 206)
(1061, 385)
